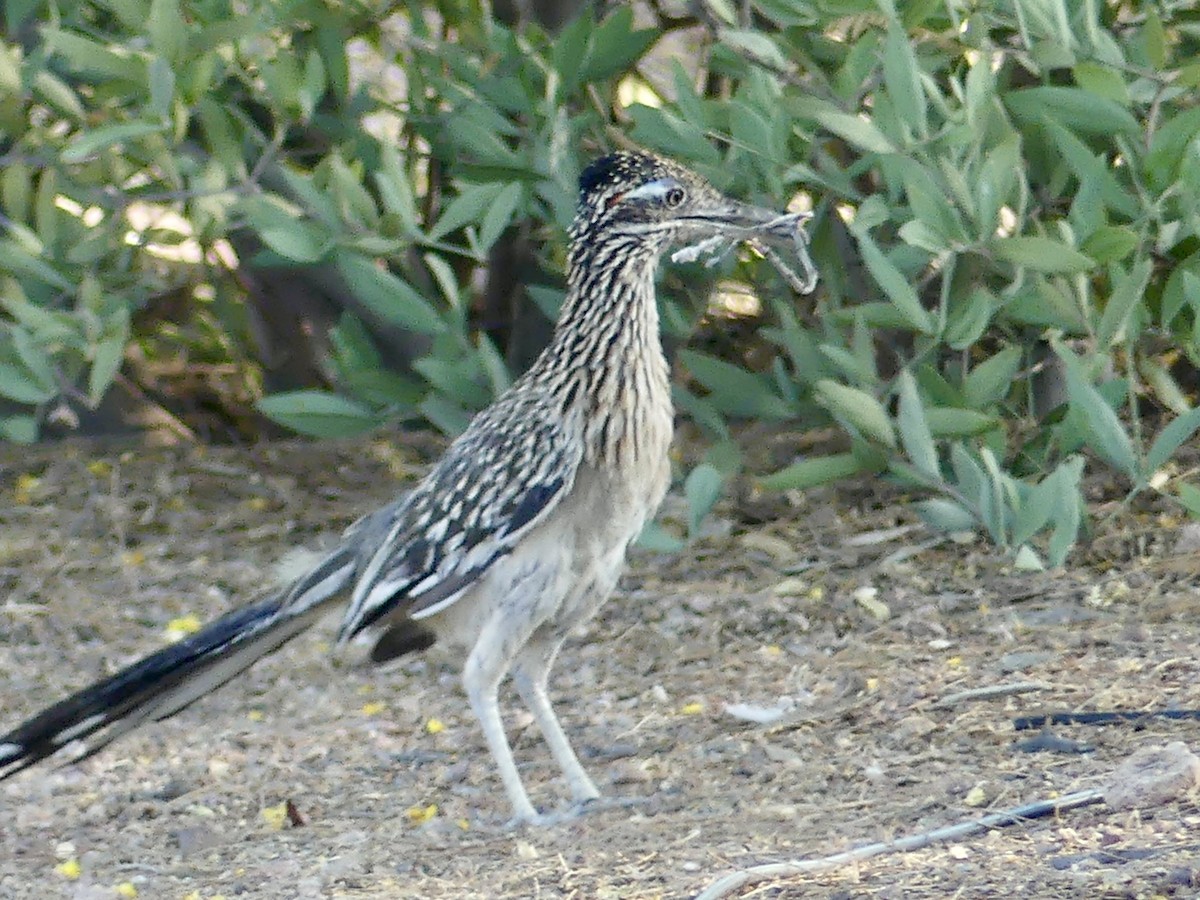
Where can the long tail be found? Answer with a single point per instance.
(163, 683)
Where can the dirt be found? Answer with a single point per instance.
(316, 776)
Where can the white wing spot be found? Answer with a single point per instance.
(69, 734)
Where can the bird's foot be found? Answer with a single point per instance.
(603, 804)
(574, 811)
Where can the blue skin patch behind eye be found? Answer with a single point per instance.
(653, 190)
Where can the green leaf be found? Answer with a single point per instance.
(1182, 289)
(1171, 438)
(900, 75)
(1068, 510)
(998, 178)
(672, 134)
(859, 132)
(810, 473)
(19, 429)
(499, 215)
(312, 88)
(18, 260)
(990, 381)
(1163, 386)
(168, 29)
(1035, 510)
(1169, 145)
(44, 325)
(656, 539)
(615, 47)
(467, 208)
(394, 188)
(701, 411)
(723, 10)
(493, 365)
(914, 429)
(58, 95)
(968, 473)
(702, 488)
(1073, 108)
(16, 191)
(318, 413)
(1106, 434)
(387, 296)
(902, 294)
(1189, 498)
(1027, 560)
(82, 54)
(923, 237)
(754, 44)
(751, 130)
(1042, 254)
(1126, 295)
(1154, 39)
(1110, 243)
(945, 515)
(35, 358)
(857, 409)
(106, 362)
(930, 206)
(283, 230)
(445, 415)
(458, 380)
(162, 87)
(87, 143)
(18, 383)
(1102, 81)
(953, 422)
(969, 317)
(732, 389)
(223, 139)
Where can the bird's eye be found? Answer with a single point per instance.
(674, 197)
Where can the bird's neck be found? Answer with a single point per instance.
(607, 358)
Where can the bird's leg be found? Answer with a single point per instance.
(530, 672)
(481, 676)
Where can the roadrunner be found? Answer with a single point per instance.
(519, 532)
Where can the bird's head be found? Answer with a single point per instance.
(657, 202)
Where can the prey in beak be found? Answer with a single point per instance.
(762, 229)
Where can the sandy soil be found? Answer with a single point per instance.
(838, 609)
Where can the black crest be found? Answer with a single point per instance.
(619, 168)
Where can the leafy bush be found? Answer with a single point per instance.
(1003, 196)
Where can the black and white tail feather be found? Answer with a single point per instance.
(160, 685)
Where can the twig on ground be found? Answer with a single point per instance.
(992, 691)
(732, 882)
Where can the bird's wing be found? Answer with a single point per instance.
(496, 482)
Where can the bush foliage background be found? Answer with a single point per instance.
(348, 213)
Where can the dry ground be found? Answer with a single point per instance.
(101, 548)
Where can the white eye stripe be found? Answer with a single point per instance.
(654, 190)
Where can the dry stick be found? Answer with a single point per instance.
(992, 691)
(756, 874)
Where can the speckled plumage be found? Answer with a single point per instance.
(516, 535)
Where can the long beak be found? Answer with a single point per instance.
(736, 219)
(730, 223)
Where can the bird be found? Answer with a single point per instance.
(516, 535)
